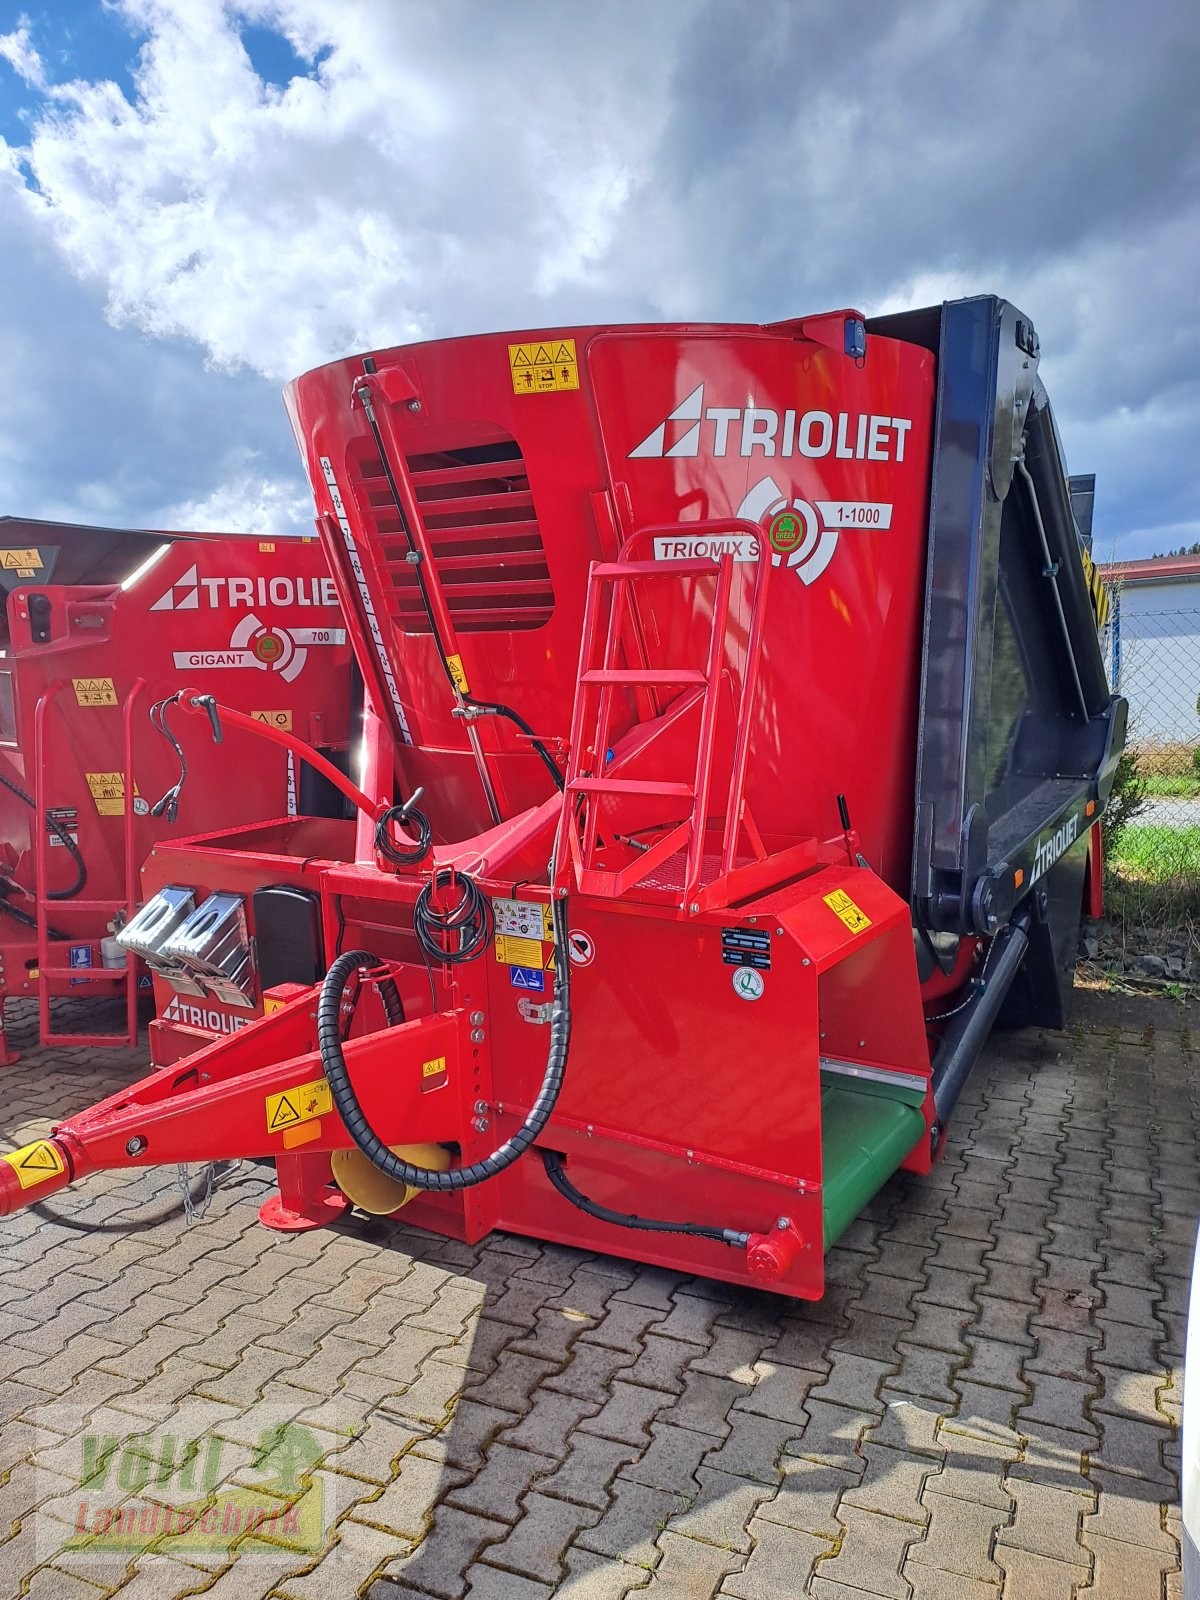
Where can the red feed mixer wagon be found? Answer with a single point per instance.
(735, 730)
(97, 625)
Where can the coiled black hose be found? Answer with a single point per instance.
(64, 838)
(329, 1040)
(414, 821)
(459, 934)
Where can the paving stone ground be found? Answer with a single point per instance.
(985, 1405)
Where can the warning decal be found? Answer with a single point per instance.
(529, 919)
(94, 691)
(433, 1074)
(840, 903)
(528, 978)
(516, 952)
(108, 792)
(543, 368)
(34, 1163)
(274, 719)
(458, 674)
(304, 1103)
(25, 563)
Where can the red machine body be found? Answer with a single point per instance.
(674, 425)
(690, 567)
(99, 624)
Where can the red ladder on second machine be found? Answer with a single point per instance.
(55, 980)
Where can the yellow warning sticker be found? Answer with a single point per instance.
(266, 547)
(516, 952)
(840, 903)
(25, 563)
(301, 1104)
(458, 674)
(543, 368)
(274, 719)
(34, 1163)
(430, 1069)
(94, 691)
(108, 792)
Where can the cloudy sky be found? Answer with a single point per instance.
(200, 199)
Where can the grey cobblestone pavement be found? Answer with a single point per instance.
(985, 1404)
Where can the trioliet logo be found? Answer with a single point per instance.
(192, 592)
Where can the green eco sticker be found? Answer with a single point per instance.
(785, 532)
(268, 647)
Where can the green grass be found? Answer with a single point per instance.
(1178, 785)
(1152, 885)
(1156, 853)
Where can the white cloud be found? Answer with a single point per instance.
(441, 168)
(426, 176)
(17, 49)
(248, 501)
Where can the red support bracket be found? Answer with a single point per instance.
(223, 1104)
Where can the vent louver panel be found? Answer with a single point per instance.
(479, 515)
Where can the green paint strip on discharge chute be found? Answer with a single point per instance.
(864, 1138)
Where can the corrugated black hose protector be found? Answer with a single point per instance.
(329, 1041)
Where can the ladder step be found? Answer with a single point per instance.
(57, 907)
(667, 678)
(124, 1041)
(696, 567)
(86, 974)
(672, 791)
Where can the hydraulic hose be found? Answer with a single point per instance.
(329, 1040)
(627, 1219)
(64, 838)
(484, 707)
(23, 917)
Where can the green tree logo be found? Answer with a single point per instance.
(290, 1452)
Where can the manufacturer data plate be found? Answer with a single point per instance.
(746, 947)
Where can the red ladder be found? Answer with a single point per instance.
(600, 675)
(53, 979)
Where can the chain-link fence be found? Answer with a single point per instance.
(1154, 661)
